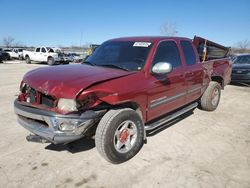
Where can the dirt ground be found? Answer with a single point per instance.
(201, 149)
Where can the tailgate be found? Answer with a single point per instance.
(209, 50)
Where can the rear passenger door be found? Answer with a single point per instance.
(166, 92)
(43, 55)
(36, 54)
(193, 72)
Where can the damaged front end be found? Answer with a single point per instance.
(55, 120)
(53, 127)
(60, 108)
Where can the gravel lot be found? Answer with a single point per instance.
(203, 149)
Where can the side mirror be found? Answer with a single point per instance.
(162, 68)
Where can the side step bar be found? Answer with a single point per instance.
(170, 117)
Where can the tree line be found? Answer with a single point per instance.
(166, 29)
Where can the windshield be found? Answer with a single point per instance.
(126, 55)
(242, 60)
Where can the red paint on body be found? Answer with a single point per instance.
(115, 86)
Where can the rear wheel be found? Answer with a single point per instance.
(8, 57)
(211, 97)
(119, 135)
(27, 60)
(51, 61)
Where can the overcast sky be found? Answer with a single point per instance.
(54, 22)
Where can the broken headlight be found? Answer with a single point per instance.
(68, 105)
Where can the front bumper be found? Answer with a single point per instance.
(46, 124)
(61, 59)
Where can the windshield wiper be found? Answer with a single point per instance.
(89, 63)
(114, 66)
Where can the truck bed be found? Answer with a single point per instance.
(220, 68)
(214, 58)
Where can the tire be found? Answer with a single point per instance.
(51, 61)
(211, 97)
(27, 60)
(119, 135)
(8, 57)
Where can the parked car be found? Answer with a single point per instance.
(125, 88)
(75, 58)
(241, 68)
(4, 55)
(45, 54)
(15, 53)
(1, 56)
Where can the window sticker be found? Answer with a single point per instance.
(142, 44)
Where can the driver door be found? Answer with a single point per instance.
(168, 91)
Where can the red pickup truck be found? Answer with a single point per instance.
(125, 88)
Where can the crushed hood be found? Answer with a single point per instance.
(67, 81)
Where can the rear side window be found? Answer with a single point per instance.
(43, 50)
(167, 51)
(188, 51)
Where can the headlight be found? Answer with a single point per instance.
(67, 105)
(55, 55)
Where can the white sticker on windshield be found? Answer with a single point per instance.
(142, 44)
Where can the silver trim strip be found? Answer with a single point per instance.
(165, 99)
(196, 89)
(158, 102)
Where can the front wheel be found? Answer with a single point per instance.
(8, 57)
(27, 60)
(119, 135)
(211, 97)
(51, 61)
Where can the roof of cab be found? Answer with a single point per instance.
(148, 38)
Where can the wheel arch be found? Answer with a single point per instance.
(49, 57)
(130, 104)
(218, 79)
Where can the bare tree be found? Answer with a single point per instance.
(8, 41)
(18, 44)
(168, 29)
(243, 45)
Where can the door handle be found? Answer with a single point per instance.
(189, 74)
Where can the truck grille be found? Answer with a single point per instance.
(32, 96)
(47, 100)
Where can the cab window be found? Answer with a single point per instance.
(43, 50)
(167, 51)
(188, 51)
